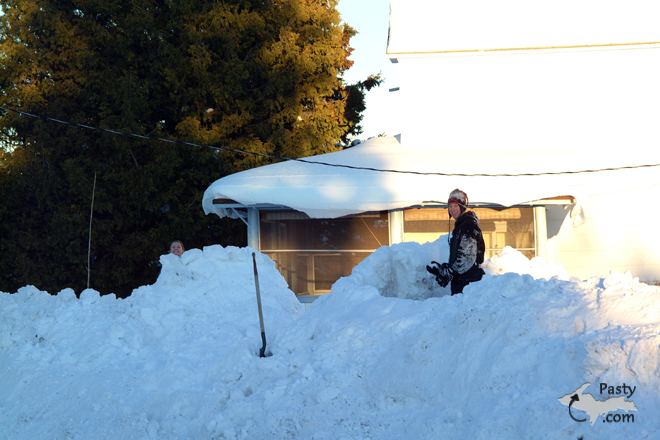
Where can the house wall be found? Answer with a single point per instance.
(444, 25)
(609, 232)
(552, 111)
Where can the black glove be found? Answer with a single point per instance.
(442, 272)
(434, 268)
(445, 274)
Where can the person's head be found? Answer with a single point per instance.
(176, 248)
(457, 203)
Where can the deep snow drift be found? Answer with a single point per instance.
(388, 355)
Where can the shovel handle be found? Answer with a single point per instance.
(262, 351)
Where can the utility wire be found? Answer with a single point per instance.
(313, 162)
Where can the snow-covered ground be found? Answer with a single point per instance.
(388, 355)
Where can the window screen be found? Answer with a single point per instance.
(507, 227)
(312, 254)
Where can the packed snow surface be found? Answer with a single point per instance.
(387, 355)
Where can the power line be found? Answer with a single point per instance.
(124, 133)
(610, 46)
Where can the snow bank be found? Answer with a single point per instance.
(387, 355)
(492, 363)
(154, 365)
(398, 271)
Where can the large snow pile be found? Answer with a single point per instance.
(162, 363)
(387, 355)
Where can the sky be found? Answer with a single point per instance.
(387, 355)
(370, 18)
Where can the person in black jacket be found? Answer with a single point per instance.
(466, 247)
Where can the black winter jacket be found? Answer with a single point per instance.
(466, 247)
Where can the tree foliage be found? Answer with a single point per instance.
(356, 104)
(259, 75)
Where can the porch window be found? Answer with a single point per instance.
(312, 254)
(501, 227)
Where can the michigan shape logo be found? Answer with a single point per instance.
(609, 409)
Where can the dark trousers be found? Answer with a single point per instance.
(459, 282)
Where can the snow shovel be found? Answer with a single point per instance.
(262, 351)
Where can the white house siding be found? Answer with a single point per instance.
(527, 87)
(613, 232)
(444, 25)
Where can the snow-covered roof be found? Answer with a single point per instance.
(323, 191)
(418, 26)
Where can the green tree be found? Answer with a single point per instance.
(258, 75)
(356, 104)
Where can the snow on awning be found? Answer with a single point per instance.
(437, 26)
(329, 192)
